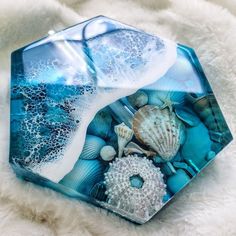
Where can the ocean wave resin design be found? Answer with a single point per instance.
(106, 113)
(65, 81)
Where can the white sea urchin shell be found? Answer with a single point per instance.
(139, 202)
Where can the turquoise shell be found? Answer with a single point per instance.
(84, 175)
(92, 147)
(197, 145)
(208, 110)
(187, 116)
(98, 191)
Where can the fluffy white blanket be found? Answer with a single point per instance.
(208, 205)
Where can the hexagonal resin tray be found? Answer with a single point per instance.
(109, 114)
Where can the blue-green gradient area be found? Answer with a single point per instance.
(51, 77)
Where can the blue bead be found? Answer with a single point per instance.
(197, 145)
(177, 181)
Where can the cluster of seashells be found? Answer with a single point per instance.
(154, 131)
(128, 152)
(156, 128)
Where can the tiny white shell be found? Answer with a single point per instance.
(108, 153)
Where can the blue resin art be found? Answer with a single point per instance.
(111, 115)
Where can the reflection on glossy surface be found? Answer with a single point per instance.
(81, 77)
(102, 97)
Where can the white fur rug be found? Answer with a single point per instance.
(208, 205)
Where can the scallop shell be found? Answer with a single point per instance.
(135, 188)
(84, 175)
(124, 135)
(135, 148)
(108, 153)
(209, 112)
(92, 147)
(160, 129)
(101, 124)
(138, 99)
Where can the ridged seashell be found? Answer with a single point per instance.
(84, 175)
(138, 99)
(187, 116)
(135, 148)
(124, 135)
(101, 124)
(209, 111)
(160, 129)
(98, 191)
(92, 147)
(135, 188)
(108, 153)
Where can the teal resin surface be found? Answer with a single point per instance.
(106, 113)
